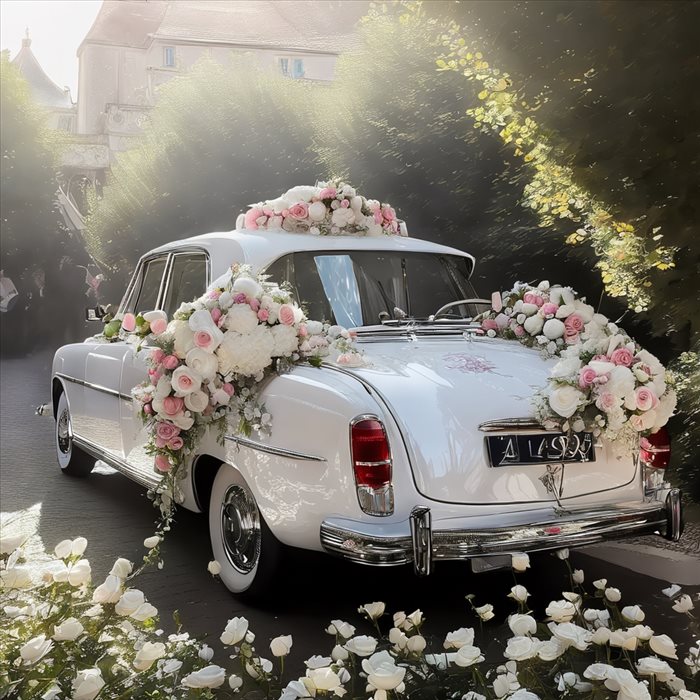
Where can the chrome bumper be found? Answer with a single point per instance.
(421, 544)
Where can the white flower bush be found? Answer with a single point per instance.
(64, 638)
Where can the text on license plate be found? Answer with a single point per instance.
(542, 448)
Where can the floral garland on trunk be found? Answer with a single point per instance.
(604, 381)
(210, 359)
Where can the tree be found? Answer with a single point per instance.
(218, 139)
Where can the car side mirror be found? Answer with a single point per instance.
(96, 313)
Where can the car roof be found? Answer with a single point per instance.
(260, 248)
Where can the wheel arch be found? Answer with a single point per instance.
(57, 388)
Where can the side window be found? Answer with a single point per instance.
(144, 296)
(188, 280)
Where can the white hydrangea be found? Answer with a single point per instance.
(241, 319)
(285, 339)
(246, 354)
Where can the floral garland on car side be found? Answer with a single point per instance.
(604, 381)
(209, 360)
(329, 209)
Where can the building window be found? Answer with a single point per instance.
(169, 57)
(65, 123)
(298, 68)
(284, 66)
(292, 68)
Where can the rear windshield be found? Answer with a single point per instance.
(360, 288)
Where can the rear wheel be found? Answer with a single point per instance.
(249, 554)
(71, 459)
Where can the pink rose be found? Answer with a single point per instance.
(158, 356)
(328, 193)
(263, 314)
(303, 331)
(166, 431)
(171, 362)
(388, 213)
(646, 398)
(286, 315)
(158, 326)
(300, 210)
(549, 309)
(345, 203)
(203, 339)
(532, 298)
(518, 330)
(268, 212)
(570, 337)
(254, 304)
(496, 302)
(586, 376)
(163, 463)
(172, 405)
(176, 443)
(622, 356)
(488, 324)
(251, 218)
(574, 323)
(214, 294)
(240, 298)
(148, 409)
(216, 315)
(129, 323)
(501, 321)
(607, 401)
(208, 411)
(228, 388)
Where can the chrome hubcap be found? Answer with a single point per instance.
(63, 432)
(240, 528)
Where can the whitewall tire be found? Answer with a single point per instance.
(71, 459)
(249, 554)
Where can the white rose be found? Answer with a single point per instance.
(151, 316)
(468, 655)
(551, 649)
(108, 592)
(459, 638)
(324, 679)
(362, 645)
(578, 575)
(613, 594)
(235, 631)
(522, 625)
(87, 684)
(372, 610)
(485, 612)
(643, 632)
(121, 568)
(398, 638)
(129, 602)
(601, 636)
(206, 653)
(68, 630)
(663, 645)
(534, 324)
(572, 635)
(652, 666)
(665, 409)
(314, 327)
(214, 568)
(79, 573)
(317, 211)
(235, 682)
(382, 671)
(623, 639)
(318, 661)
(16, 577)
(633, 613)
(148, 654)
(560, 610)
(564, 400)
(63, 549)
(341, 628)
(519, 593)
(207, 677)
(339, 653)
(343, 217)
(621, 381)
(8, 543)
(182, 335)
(553, 329)
(183, 420)
(521, 648)
(564, 311)
(151, 542)
(35, 649)
(301, 193)
(225, 300)
(202, 362)
(247, 286)
(684, 604)
(281, 646)
(520, 561)
(144, 612)
(197, 401)
(184, 381)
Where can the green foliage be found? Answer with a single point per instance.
(30, 220)
(219, 139)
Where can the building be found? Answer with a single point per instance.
(135, 46)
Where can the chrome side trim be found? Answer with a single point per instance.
(674, 515)
(96, 387)
(272, 450)
(119, 464)
(504, 425)
(419, 544)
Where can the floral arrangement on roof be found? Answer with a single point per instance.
(327, 209)
(209, 360)
(604, 381)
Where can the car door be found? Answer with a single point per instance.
(186, 278)
(100, 421)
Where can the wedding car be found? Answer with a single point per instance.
(425, 452)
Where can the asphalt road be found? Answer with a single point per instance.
(115, 515)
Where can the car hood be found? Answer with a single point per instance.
(440, 390)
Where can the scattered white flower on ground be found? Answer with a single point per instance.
(214, 568)
(208, 677)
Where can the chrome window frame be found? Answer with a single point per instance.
(169, 269)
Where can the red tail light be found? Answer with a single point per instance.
(371, 457)
(655, 450)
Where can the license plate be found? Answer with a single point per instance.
(542, 448)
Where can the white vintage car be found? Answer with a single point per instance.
(425, 454)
